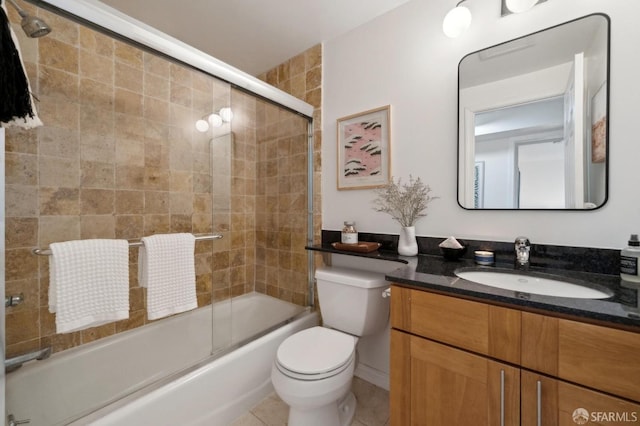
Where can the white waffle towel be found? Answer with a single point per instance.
(89, 283)
(166, 267)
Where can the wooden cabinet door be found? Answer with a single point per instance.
(551, 402)
(591, 355)
(474, 326)
(437, 385)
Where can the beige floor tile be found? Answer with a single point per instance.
(272, 411)
(373, 403)
(372, 408)
(248, 420)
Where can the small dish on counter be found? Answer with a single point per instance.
(360, 247)
(450, 253)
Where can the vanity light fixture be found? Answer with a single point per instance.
(456, 21)
(214, 119)
(518, 6)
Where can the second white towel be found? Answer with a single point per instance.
(166, 267)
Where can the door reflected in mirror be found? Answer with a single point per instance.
(532, 119)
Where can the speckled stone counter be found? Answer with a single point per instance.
(434, 273)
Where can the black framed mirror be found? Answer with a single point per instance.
(533, 118)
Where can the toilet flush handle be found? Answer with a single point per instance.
(386, 293)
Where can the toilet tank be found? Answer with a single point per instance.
(351, 300)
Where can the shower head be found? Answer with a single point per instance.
(31, 25)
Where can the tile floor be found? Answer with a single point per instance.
(372, 408)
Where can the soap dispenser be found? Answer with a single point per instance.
(629, 260)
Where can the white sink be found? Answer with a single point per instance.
(531, 284)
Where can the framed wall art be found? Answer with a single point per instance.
(364, 148)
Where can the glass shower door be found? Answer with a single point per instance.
(119, 157)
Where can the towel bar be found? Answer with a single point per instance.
(47, 252)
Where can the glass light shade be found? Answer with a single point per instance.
(226, 114)
(456, 21)
(215, 120)
(202, 126)
(519, 6)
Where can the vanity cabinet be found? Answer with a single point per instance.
(457, 361)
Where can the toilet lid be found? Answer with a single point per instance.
(315, 350)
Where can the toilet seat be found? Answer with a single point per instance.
(315, 353)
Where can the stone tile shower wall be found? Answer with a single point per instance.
(281, 205)
(118, 157)
(300, 76)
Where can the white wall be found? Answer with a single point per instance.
(403, 59)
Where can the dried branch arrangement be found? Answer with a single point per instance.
(406, 203)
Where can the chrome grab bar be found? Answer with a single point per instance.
(16, 362)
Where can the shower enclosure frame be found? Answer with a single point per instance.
(123, 27)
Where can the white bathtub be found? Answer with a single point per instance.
(100, 383)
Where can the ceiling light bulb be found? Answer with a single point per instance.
(456, 21)
(215, 120)
(519, 6)
(202, 126)
(226, 114)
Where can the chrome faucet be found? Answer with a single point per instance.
(14, 363)
(522, 247)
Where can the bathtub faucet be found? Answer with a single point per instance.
(14, 363)
(11, 421)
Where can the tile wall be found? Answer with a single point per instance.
(301, 76)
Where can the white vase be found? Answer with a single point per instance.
(407, 245)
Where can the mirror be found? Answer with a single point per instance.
(533, 120)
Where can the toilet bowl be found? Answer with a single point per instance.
(312, 374)
(313, 369)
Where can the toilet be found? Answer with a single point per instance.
(313, 369)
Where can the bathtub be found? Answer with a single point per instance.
(162, 373)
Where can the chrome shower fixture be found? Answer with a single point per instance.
(31, 25)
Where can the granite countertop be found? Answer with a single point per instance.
(430, 272)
